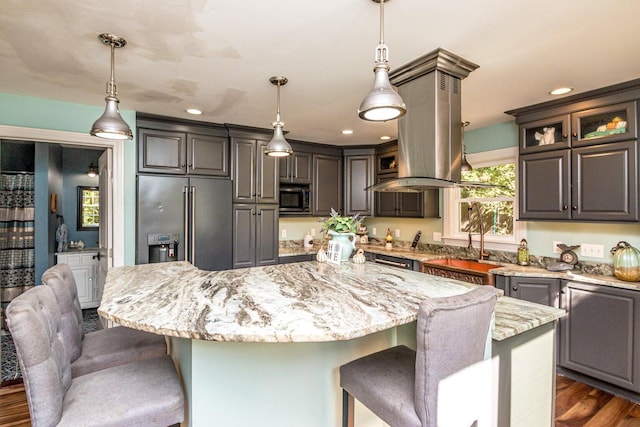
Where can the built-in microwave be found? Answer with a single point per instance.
(294, 199)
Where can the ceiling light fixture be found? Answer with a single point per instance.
(92, 172)
(464, 165)
(278, 146)
(347, 132)
(194, 111)
(561, 91)
(385, 138)
(383, 102)
(111, 125)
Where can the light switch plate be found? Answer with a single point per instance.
(556, 249)
(437, 236)
(592, 251)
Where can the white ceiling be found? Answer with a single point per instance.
(218, 55)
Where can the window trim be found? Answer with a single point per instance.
(450, 206)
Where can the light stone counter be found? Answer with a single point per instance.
(300, 302)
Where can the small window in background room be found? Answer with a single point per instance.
(88, 208)
(497, 204)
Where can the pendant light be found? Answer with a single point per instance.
(383, 102)
(111, 125)
(92, 172)
(464, 165)
(278, 146)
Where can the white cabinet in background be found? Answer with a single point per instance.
(84, 268)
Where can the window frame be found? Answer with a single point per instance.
(80, 225)
(451, 197)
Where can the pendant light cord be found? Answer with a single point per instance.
(278, 105)
(382, 51)
(112, 90)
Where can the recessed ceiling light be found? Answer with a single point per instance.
(561, 91)
(194, 111)
(347, 132)
(385, 138)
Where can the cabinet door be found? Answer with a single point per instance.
(545, 185)
(605, 182)
(243, 153)
(267, 175)
(540, 290)
(358, 176)
(266, 235)
(161, 151)
(327, 182)
(244, 236)
(301, 168)
(600, 336)
(545, 135)
(82, 267)
(604, 124)
(411, 205)
(386, 202)
(207, 155)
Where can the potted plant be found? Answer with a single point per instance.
(342, 229)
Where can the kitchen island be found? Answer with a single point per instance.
(262, 346)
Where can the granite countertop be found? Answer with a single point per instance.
(504, 270)
(298, 302)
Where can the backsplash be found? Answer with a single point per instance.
(586, 267)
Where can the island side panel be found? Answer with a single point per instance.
(276, 384)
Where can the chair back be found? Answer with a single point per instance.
(451, 335)
(35, 323)
(60, 279)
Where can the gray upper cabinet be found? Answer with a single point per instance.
(600, 336)
(579, 157)
(255, 175)
(255, 235)
(358, 175)
(174, 152)
(296, 168)
(327, 184)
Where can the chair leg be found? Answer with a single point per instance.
(347, 409)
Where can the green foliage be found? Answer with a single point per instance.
(341, 224)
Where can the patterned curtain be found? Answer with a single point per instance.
(17, 256)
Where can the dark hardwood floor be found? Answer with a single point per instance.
(577, 404)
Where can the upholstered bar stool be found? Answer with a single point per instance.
(101, 349)
(142, 393)
(402, 386)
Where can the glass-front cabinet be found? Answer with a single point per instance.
(604, 124)
(545, 135)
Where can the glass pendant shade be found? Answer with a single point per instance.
(92, 172)
(111, 125)
(383, 102)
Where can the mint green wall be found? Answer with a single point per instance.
(42, 113)
(503, 135)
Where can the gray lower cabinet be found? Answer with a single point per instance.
(296, 258)
(327, 184)
(541, 290)
(358, 175)
(600, 336)
(255, 235)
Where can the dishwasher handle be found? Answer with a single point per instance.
(393, 263)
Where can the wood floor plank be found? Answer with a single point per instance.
(14, 410)
(611, 414)
(571, 394)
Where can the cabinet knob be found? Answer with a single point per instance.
(565, 207)
(515, 288)
(190, 165)
(565, 136)
(574, 207)
(575, 134)
(182, 165)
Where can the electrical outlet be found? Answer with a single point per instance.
(313, 232)
(283, 233)
(437, 236)
(374, 231)
(397, 232)
(592, 251)
(556, 249)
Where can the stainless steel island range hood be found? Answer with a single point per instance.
(430, 133)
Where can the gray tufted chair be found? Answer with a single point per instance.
(143, 393)
(401, 386)
(101, 349)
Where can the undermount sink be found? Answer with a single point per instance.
(461, 269)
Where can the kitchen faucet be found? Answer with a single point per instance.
(483, 254)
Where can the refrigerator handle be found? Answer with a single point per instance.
(186, 223)
(193, 225)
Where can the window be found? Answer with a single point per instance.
(496, 206)
(88, 208)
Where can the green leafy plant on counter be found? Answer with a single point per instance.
(341, 224)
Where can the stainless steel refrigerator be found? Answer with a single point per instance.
(196, 210)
